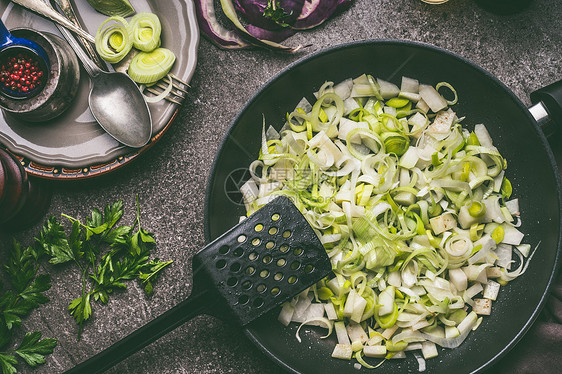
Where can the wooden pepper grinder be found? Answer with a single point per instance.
(23, 201)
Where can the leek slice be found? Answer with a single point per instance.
(113, 39)
(159, 97)
(358, 356)
(506, 189)
(476, 209)
(146, 29)
(395, 143)
(149, 67)
(388, 320)
(120, 8)
(448, 85)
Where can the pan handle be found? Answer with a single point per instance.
(547, 108)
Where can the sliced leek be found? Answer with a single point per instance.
(120, 8)
(149, 67)
(146, 29)
(409, 206)
(113, 39)
(161, 96)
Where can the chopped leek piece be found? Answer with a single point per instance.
(399, 346)
(120, 8)
(395, 143)
(498, 234)
(342, 351)
(161, 96)
(146, 30)
(472, 139)
(476, 209)
(149, 67)
(113, 39)
(374, 351)
(325, 293)
(396, 102)
(409, 206)
(506, 189)
(445, 84)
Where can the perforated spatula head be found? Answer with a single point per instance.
(262, 262)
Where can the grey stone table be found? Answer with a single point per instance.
(523, 50)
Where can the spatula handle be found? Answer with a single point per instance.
(196, 304)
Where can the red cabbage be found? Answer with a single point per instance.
(230, 12)
(272, 35)
(343, 5)
(268, 21)
(210, 27)
(253, 12)
(314, 13)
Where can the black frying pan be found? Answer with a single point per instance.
(482, 99)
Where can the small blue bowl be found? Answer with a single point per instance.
(12, 47)
(60, 86)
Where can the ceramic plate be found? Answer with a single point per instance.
(73, 146)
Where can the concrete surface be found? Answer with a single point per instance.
(523, 50)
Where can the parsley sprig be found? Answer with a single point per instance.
(24, 294)
(106, 254)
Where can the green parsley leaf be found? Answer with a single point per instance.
(7, 363)
(53, 241)
(11, 319)
(33, 350)
(135, 243)
(26, 294)
(148, 273)
(33, 295)
(10, 310)
(21, 266)
(117, 236)
(96, 219)
(81, 310)
(107, 254)
(146, 237)
(101, 296)
(75, 242)
(113, 213)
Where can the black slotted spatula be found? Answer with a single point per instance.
(260, 263)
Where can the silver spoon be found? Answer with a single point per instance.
(115, 99)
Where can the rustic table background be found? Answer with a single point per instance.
(523, 50)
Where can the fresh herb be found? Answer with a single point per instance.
(16, 302)
(106, 254)
(274, 12)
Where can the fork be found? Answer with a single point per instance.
(176, 92)
(176, 95)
